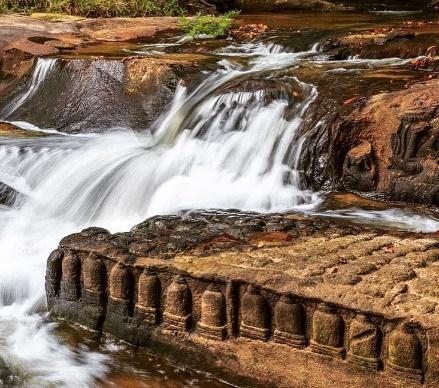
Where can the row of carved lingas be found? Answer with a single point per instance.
(404, 348)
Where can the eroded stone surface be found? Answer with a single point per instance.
(38, 36)
(249, 294)
(390, 145)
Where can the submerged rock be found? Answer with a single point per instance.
(408, 42)
(31, 34)
(7, 196)
(11, 130)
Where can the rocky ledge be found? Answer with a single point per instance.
(390, 145)
(273, 300)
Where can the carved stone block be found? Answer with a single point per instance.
(120, 282)
(177, 315)
(54, 273)
(365, 342)
(213, 322)
(71, 267)
(148, 304)
(94, 275)
(327, 332)
(405, 354)
(255, 311)
(290, 322)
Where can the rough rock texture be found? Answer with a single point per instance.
(263, 299)
(38, 37)
(390, 145)
(10, 130)
(283, 5)
(97, 95)
(14, 64)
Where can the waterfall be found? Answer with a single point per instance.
(217, 147)
(42, 68)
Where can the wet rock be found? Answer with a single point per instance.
(14, 64)
(390, 145)
(248, 32)
(7, 195)
(214, 289)
(10, 130)
(408, 42)
(283, 5)
(31, 34)
(98, 95)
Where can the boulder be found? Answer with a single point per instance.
(390, 145)
(100, 94)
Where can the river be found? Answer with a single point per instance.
(233, 140)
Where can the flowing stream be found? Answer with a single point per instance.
(200, 155)
(216, 147)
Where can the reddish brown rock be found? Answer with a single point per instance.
(389, 145)
(276, 315)
(41, 36)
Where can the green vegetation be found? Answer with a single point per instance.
(213, 26)
(98, 8)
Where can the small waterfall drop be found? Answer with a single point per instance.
(42, 69)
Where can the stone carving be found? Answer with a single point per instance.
(119, 282)
(290, 322)
(145, 304)
(365, 343)
(255, 312)
(71, 267)
(359, 169)
(120, 290)
(405, 354)
(327, 332)
(94, 275)
(213, 322)
(54, 273)
(178, 305)
(148, 304)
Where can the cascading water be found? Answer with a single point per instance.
(232, 142)
(42, 68)
(216, 148)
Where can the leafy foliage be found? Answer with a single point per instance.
(97, 8)
(208, 25)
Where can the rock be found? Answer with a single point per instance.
(408, 42)
(248, 32)
(389, 146)
(14, 64)
(333, 300)
(10, 130)
(7, 195)
(97, 95)
(32, 34)
(283, 5)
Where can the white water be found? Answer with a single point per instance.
(213, 150)
(42, 69)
